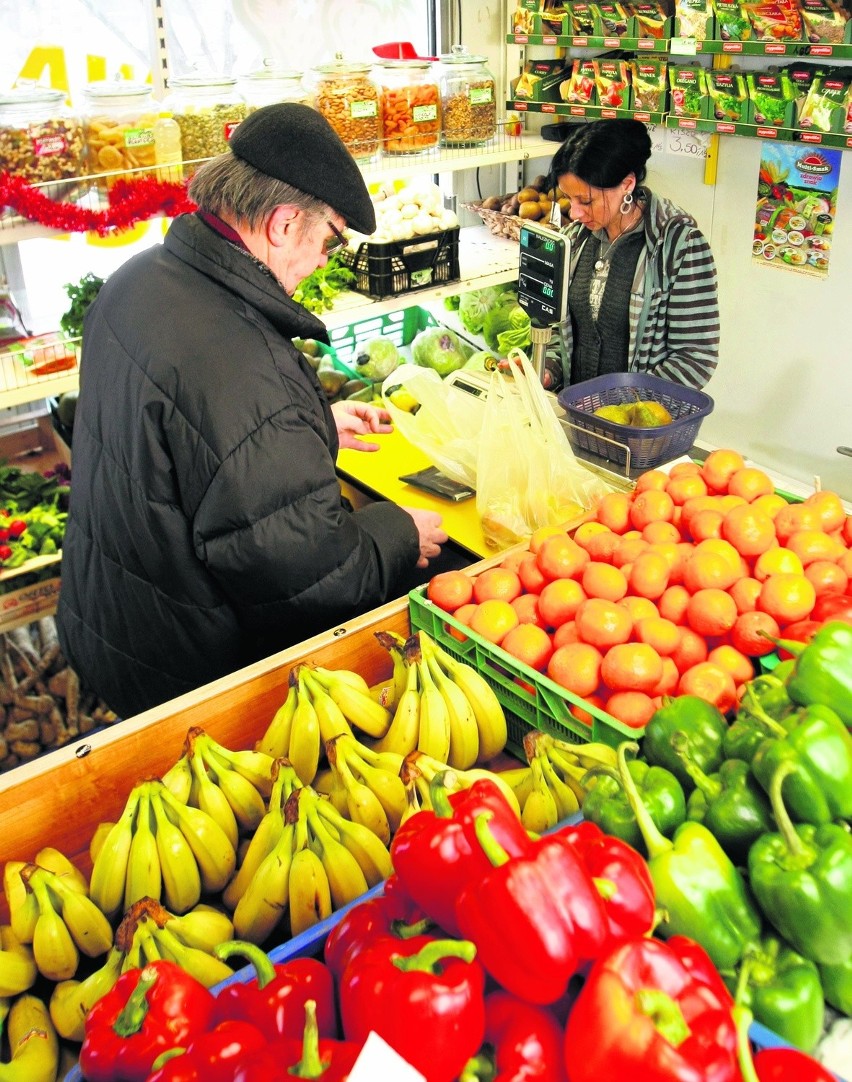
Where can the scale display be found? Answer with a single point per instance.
(543, 274)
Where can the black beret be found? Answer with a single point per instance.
(294, 143)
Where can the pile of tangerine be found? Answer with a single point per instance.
(672, 589)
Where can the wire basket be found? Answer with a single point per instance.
(627, 445)
(500, 224)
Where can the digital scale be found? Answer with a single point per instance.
(543, 274)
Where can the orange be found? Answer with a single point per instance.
(577, 667)
(750, 482)
(830, 508)
(673, 554)
(711, 682)
(601, 546)
(787, 597)
(810, 545)
(657, 631)
(497, 583)
(845, 562)
(628, 549)
(561, 558)
(632, 708)
(684, 469)
(652, 505)
(719, 466)
(449, 590)
(661, 532)
(723, 548)
(669, 680)
(541, 533)
(706, 569)
(651, 479)
(737, 663)
(776, 561)
(846, 531)
(559, 601)
(770, 504)
(587, 530)
(827, 577)
(530, 575)
(695, 504)
(493, 619)
(749, 531)
(639, 607)
(691, 649)
(796, 516)
(512, 560)
(463, 615)
(565, 633)
(613, 510)
(649, 575)
(706, 523)
(530, 644)
(603, 580)
(631, 666)
(729, 500)
(711, 612)
(603, 623)
(686, 487)
(526, 606)
(673, 603)
(750, 631)
(745, 593)
(585, 716)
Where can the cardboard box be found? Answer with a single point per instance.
(539, 81)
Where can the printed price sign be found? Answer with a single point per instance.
(686, 141)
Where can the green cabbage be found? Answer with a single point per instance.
(475, 305)
(438, 348)
(507, 326)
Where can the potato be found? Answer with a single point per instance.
(493, 202)
(526, 195)
(530, 209)
(540, 182)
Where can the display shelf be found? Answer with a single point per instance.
(688, 46)
(588, 112)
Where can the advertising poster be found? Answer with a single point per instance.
(796, 206)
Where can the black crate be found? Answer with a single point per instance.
(383, 270)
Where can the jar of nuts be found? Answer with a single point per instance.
(119, 127)
(349, 100)
(40, 138)
(269, 85)
(468, 99)
(411, 106)
(207, 108)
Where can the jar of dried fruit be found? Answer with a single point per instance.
(411, 106)
(208, 108)
(119, 127)
(468, 99)
(349, 100)
(41, 139)
(269, 85)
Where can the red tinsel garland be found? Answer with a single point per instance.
(130, 202)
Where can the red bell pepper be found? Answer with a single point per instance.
(649, 1014)
(523, 1043)
(391, 915)
(621, 876)
(435, 853)
(774, 1064)
(275, 1000)
(425, 1001)
(310, 1057)
(147, 1012)
(212, 1056)
(533, 917)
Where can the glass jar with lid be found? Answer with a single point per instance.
(41, 139)
(468, 99)
(346, 95)
(411, 106)
(207, 108)
(119, 126)
(271, 84)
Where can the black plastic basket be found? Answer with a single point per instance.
(383, 270)
(647, 447)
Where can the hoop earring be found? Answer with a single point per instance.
(626, 203)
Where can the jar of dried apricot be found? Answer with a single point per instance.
(119, 127)
(411, 106)
(41, 139)
(348, 98)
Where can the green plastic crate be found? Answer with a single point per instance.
(400, 327)
(547, 709)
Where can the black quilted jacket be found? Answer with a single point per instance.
(206, 527)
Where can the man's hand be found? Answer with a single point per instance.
(432, 534)
(357, 419)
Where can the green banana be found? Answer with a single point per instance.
(205, 967)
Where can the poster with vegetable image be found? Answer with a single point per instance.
(796, 207)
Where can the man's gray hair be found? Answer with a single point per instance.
(231, 188)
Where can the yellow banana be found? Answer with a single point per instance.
(18, 970)
(332, 721)
(372, 856)
(205, 967)
(208, 797)
(89, 928)
(211, 847)
(255, 766)
(520, 780)
(566, 800)
(464, 732)
(389, 761)
(276, 740)
(358, 706)
(102, 831)
(178, 779)
(181, 877)
(264, 903)
(386, 784)
(144, 875)
(401, 737)
(589, 755)
(305, 744)
(109, 872)
(434, 736)
(23, 908)
(54, 950)
(246, 802)
(72, 1000)
(355, 679)
(539, 812)
(32, 1042)
(395, 646)
(264, 839)
(572, 774)
(490, 718)
(60, 865)
(346, 880)
(362, 804)
(204, 927)
(310, 892)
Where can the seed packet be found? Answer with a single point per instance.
(687, 90)
(612, 81)
(726, 89)
(582, 18)
(648, 20)
(649, 83)
(774, 20)
(523, 18)
(693, 19)
(770, 99)
(801, 74)
(825, 108)
(824, 21)
(580, 88)
(539, 81)
(551, 18)
(610, 19)
(732, 22)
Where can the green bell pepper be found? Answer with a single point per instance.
(801, 877)
(819, 746)
(729, 803)
(704, 726)
(823, 669)
(607, 806)
(837, 985)
(783, 991)
(702, 893)
(768, 694)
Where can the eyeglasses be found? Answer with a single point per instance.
(335, 243)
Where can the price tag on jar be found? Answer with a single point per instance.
(687, 142)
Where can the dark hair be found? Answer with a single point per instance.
(603, 152)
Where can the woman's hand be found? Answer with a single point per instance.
(356, 419)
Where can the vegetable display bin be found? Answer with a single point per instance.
(629, 446)
(385, 270)
(401, 328)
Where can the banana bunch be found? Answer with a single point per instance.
(18, 970)
(365, 785)
(33, 1042)
(164, 849)
(419, 772)
(319, 862)
(552, 790)
(320, 705)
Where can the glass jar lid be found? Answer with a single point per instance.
(189, 82)
(265, 75)
(31, 95)
(460, 55)
(406, 65)
(343, 67)
(117, 90)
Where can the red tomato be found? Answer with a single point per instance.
(800, 631)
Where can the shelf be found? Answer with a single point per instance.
(588, 112)
(688, 46)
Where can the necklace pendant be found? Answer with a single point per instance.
(599, 265)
